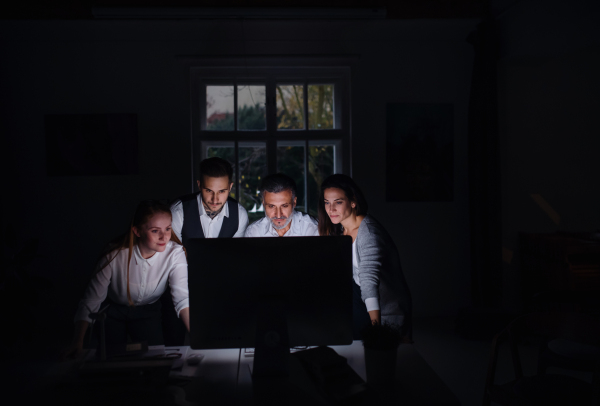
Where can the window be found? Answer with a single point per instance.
(267, 120)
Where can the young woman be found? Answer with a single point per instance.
(380, 290)
(131, 277)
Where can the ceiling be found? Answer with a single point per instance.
(395, 9)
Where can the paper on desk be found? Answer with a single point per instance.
(180, 368)
(153, 351)
(178, 362)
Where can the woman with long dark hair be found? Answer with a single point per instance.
(132, 276)
(380, 290)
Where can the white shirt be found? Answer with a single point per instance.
(302, 225)
(147, 280)
(210, 227)
(372, 303)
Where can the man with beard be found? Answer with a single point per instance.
(281, 220)
(209, 213)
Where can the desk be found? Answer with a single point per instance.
(221, 379)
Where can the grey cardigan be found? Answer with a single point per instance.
(380, 274)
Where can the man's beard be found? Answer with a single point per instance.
(288, 220)
(212, 213)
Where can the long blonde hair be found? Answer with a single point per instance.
(143, 213)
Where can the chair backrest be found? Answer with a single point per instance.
(578, 327)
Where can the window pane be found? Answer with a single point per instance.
(321, 164)
(219, 108)
(227, 152)
(290, 161)
(253, 167)
(320, 107)
(290, 107)
(251, 107)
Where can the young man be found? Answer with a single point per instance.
(210, 213)
(281, 220)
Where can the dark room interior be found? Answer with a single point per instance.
(513, 224)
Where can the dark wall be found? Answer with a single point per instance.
(549, 100)
(73, 67)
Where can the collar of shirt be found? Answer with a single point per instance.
(296, 218)
(139, 259)
(224, 212)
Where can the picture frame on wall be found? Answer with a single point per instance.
(419, 152)
(91, 144)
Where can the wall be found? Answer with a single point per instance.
(548, 114)
(132, 67)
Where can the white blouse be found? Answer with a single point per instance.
(147, 280)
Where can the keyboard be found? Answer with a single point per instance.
(249, 352)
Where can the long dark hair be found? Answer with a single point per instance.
(352, 192)
(143, 213)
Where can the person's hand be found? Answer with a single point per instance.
(375, 316)
(184, 315)
(73, 351)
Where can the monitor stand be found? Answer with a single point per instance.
(272, 345)
(277, 377)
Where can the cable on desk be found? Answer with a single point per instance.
(238, 374)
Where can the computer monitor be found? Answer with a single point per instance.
(241, 287)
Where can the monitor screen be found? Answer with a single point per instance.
(235, 282)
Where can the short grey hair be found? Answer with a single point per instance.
(277, 183)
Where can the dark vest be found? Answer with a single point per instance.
(192, 228)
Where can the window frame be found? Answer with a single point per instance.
(268, 72)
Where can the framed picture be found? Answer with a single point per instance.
(91, 144)
(419, 152)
